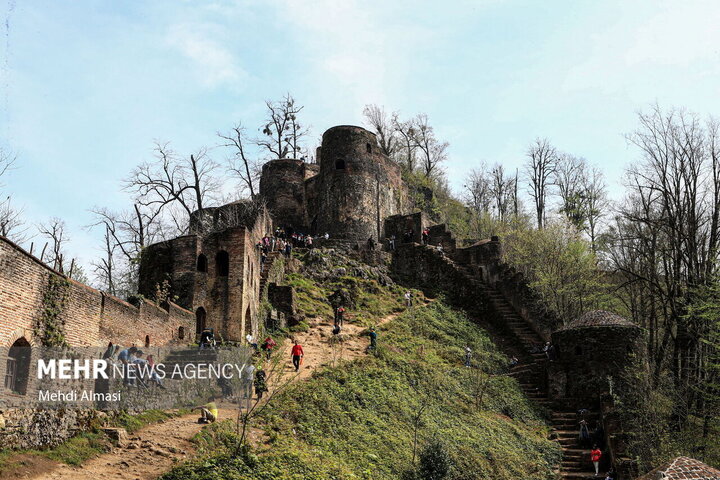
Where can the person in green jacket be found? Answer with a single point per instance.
(373, 339)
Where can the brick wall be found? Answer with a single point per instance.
(90, 317)
(231, 302)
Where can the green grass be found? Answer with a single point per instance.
(372, 301)
(132, 423)
(356, 421)
(78, 448)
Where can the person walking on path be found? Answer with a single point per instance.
(251, 341)
(340, 315)
(268, 345)
(297, 355)
(595, 456)
(468, 356)
(373, 339)
(125, 359)
(260, 383)
(248, 375)
(408, 299)
(584, 433)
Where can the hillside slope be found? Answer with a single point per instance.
(365, 419)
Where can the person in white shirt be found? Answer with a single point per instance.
(251, 341)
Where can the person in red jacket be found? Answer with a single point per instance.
(297, 354)
(595, 456)
(268, 346)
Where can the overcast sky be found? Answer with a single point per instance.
(88, 85)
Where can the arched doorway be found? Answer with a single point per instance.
(200, 316)
(222, 264)
(202, 263)
(17, 369)
(248, 322)
(147, 341)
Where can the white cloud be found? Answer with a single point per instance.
(213, 64)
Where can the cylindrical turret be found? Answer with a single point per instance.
(595, 348)
(358, 187)
(282, 185)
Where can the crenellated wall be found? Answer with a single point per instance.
(89, 317)
(30, 295)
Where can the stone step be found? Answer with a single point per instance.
(577, 476)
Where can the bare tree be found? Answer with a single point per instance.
(539, 171)
(664, 243)
(382, 125)
(432, 151)
(569, 176)
(282, 132)
(596, 202)
(125, 235)
(478, 190)
(277, 380)
(104, 268)
(407, 142)
(12, 225)
(501, 190)
(54, 232)
(244, 168)
(7, 161)
(174, 185)
(514, 193)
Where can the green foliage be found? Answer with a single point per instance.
(79, 448)
(435, 461)
(132, 423)
(368, 300)
(49, 326)
(356, 420)
(561, 268)
(576, 211)
(311, 297)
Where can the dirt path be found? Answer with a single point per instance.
(148, 453)
(321, 350)
(156, 448)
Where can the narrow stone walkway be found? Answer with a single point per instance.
(271, 257)
(530, 374)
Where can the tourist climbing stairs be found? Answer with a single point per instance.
(530, 372)
(271, 257)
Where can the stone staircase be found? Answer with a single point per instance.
(271, 257)
(530, 374)
(188, 356)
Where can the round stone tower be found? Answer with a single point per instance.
(592, 351)
(282, 185)
(358, 186)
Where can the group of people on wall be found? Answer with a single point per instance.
(137, 367)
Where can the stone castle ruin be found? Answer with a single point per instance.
(215, 271)
(208, 278)
(354, 193)
(348, 193)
